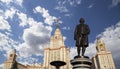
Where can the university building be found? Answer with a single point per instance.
(56, 51)
(103, 58)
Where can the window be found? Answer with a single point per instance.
(11, 55)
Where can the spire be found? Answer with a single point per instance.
(57, 39)
(57, 22)
(57, 31)
(14, 51)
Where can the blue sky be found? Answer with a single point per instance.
(26, 25)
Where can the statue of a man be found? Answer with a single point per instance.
(81, 36)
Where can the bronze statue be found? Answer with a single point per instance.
(81, 36)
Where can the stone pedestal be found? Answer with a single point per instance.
(81, 63)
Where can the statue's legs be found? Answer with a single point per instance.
(83, 50)
(78, 50)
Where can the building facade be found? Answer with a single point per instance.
(56, 51)
(103, 59)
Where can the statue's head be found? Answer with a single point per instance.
(81, 20)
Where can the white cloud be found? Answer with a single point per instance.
(90, 6)
(28, 61)
(91, 50)
(73, 52)
(74, 2)
(50, 20)
(23, 51)
(66, 28)
(23, 18)
(4, 25)
(18, 2)
(61, 8)
(62, 5)
(7, 1)
(41, 10)
(7, 44)
(64, 38)
(35, 38)
(45, 13)
(1, 12)
(68, 15)
(4, 15)
(79, 1)
(3, 40)
(115, 2)
(10, 13)
(37, 35)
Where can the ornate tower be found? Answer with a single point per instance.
(57, 39)
(56, 51)
(11, 59)
(103, 59)
(100, 46)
